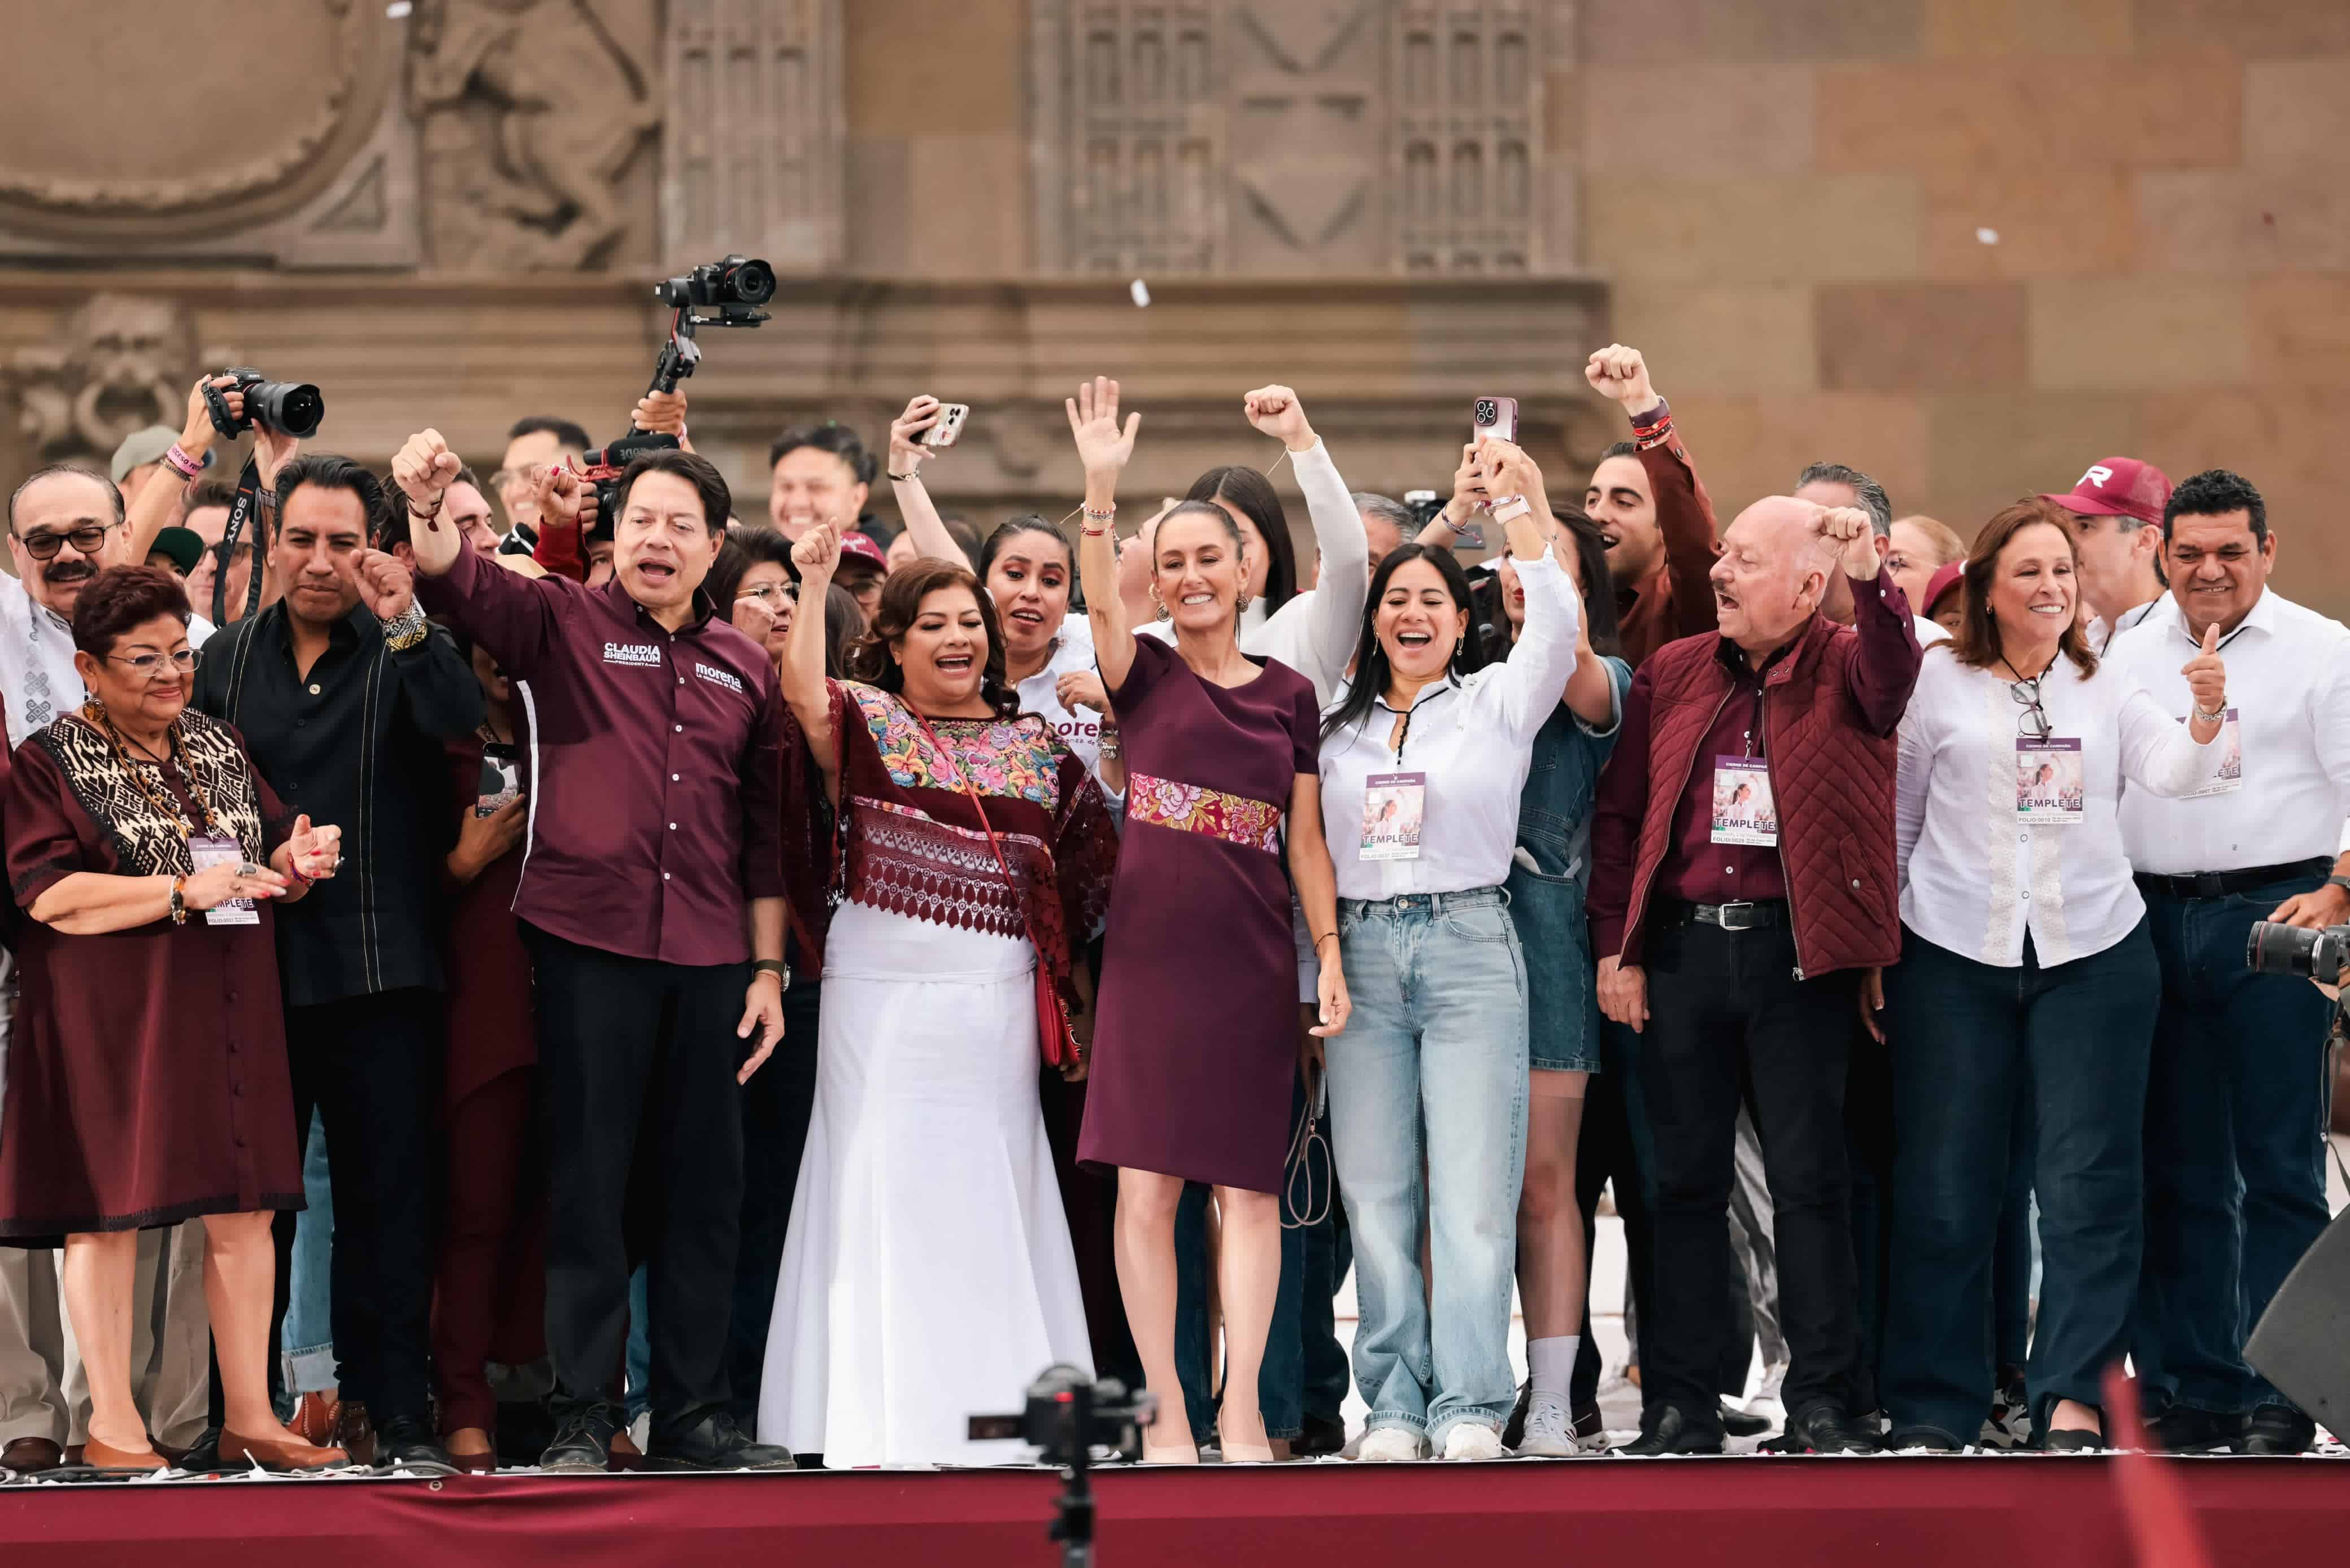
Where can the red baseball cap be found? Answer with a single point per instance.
(1945, 579)
(2118, 487)
(862, 547)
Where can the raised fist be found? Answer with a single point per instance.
(1621, 375)
(1853, 534)
(424, 469)
(1276, 412)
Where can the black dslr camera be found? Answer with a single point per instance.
(1069, 1416)
(735, 286)
(2276, 948)
(289, 408)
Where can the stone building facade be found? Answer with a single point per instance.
(1968, 244)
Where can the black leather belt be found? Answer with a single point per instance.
(2221, 884)
(1752, 916)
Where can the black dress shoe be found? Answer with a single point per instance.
(205, 1457)
(2278, 1430)
(1922, 1439)
(1738, 1423)
(405, 1443)
(1319, 1435)
(713, 1443)
(2183, 1429)
(2070, 1440)
(583, 1441)
(29, 1456)
(1826, 1430)
(1667, 1431)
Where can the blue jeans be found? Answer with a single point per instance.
(1964, 1036)
(1437, 1042)
(2235, 1120)
(1280, 1377)
(309, 1335)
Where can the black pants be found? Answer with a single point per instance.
(637, 1062)
(1728, 1020)
(370, 1067)
(777, 1104)
(1614, 1146)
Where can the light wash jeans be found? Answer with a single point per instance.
(310, 1332)
(1437, 1042)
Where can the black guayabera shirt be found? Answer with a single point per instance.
(356, 743)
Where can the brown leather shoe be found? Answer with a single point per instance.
(354, 1433)
(272, 1454)
(108, 1460)
(29, 1456)
(627, 1458)
(315, 1415)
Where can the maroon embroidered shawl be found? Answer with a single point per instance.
(907, 839)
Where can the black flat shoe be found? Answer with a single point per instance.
(404, 1443)
(2183, 1429)
(713, 1443)
(2072, 1440)
(1922, 1440)
(1318, 1437)
(1825, 1429)
(1667, 1431)
(1738, 1423)
(2278, 1430)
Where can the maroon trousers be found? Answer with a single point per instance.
(489, 1303)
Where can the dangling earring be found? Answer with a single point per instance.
(1162, 611)
(1241, 602)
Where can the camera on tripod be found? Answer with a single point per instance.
(289, 408)
(735, 286)
(2276, 948)
(1070, 1415)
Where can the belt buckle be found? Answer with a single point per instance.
(2209, 885)
(1738, 917)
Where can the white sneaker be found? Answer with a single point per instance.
(1391, 1445)
(1549, 1434)
(1470, 1441)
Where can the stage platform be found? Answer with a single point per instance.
(1916, 1512)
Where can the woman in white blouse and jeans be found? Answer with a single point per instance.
(1423, 763)
(2025, 959)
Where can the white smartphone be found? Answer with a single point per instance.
(947, 427)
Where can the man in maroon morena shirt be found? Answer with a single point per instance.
(1743, 850)
(651, 898)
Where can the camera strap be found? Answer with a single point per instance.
(248, 498)
(1297, 1216)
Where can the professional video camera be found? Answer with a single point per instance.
(2276, 948)
(736, 286)
(289, 408)
(1069, 1415)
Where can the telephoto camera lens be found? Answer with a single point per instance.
(2275, 947)
(290, 407)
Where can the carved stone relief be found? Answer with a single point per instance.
(752, 141)
(1269, 137)
(532, 110)
(118, 363)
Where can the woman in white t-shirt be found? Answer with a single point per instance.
(2025, 965)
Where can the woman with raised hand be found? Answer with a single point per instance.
(1048, 653)
(1196, 1048)
(2026, 967)
(1423, 764)
(928, 1273)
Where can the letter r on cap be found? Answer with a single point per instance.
(2098, 472)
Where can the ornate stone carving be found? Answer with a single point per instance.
(532, 110)
(118, 362)
(1268, 137)
(754, 140)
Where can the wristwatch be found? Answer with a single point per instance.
(2341, 882)
(777, 967)
(407, 629)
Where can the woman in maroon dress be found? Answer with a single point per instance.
(147, 1074)
(1196, 1049)
(489, 1301)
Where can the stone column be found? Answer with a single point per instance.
(752, 150)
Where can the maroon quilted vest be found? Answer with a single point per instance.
(1830, 777)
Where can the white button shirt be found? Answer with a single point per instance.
(1974, 879)
(1474, 740)
(2288, 682)
(38, 677)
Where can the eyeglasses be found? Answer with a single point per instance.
(146, 665)
(771, 593)
(2033, 721)
(44, 545)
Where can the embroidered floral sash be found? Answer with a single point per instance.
(1193, 808)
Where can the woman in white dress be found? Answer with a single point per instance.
(928, 1273)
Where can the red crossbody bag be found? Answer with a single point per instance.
(1055, 1041)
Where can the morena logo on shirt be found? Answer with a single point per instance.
(729, 682)
(643, 654)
